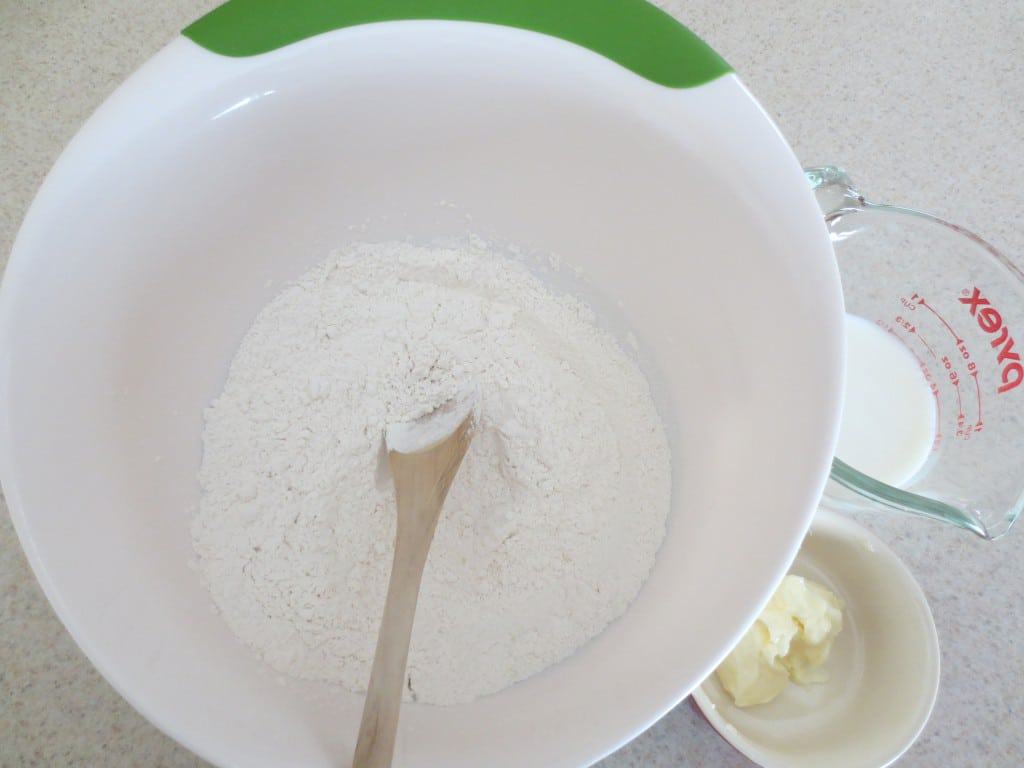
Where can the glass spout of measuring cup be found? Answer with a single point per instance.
(934, 411)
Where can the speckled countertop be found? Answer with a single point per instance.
(922, 100)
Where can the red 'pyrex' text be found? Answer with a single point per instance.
(990, 321)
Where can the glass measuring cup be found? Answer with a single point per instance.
(957, 304)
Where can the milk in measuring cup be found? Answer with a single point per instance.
(889, 421)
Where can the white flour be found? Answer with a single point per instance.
(551, 526)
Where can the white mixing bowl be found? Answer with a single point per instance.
(207, 181)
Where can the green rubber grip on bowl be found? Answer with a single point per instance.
(633, 33)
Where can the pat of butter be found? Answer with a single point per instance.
(789, 640)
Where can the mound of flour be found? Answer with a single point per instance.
(552, 523)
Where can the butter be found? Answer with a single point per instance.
(790, 640)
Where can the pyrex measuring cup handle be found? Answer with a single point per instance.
(833, 188)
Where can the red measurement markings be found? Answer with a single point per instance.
(902, 323)
(927, 371)
(972, 371)
(977, 386)
(962, 429)
(954, 379)
(920, 300)
(927, 346)
(908, 326)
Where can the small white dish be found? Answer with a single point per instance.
(883, 670)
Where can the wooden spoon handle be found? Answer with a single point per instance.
(376, 743)
(422, 481)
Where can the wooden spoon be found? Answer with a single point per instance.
(424, 456)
